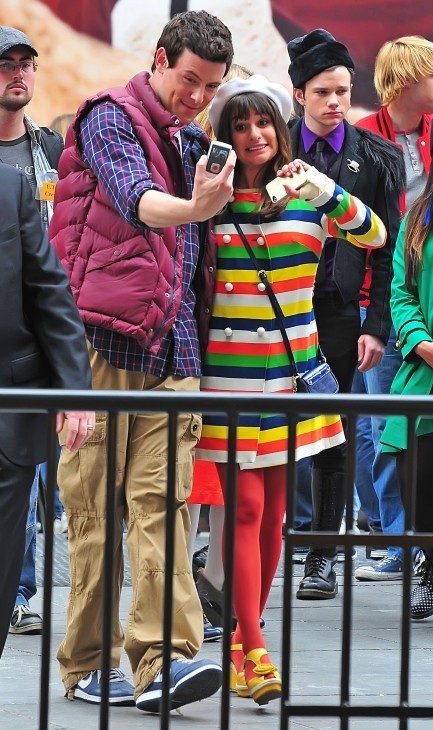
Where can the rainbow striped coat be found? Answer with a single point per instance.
(246, 352)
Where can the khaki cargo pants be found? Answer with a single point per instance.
(141, 490)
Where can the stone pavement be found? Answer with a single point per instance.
(315, 665)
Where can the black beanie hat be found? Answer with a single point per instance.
(313, 53)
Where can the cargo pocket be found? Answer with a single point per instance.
(185, 458)
(82, 473)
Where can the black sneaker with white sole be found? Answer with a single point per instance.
(121, 692)
(25, 621)
(190, 681)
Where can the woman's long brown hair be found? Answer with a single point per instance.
(418, 226)
(238, 109)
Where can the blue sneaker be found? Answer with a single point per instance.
(121, 692)
(211, 633)
(389, 568)
(190, 681)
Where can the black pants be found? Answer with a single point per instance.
(339, 327)
(15, 486)
(424, 483)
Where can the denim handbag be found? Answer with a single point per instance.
(319, 379)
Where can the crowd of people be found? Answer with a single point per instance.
(131, 267)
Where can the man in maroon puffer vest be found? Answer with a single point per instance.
(130, 207)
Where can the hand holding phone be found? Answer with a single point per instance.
(276, 189)
(217, 157)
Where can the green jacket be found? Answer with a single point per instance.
(412, 315)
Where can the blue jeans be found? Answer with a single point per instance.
(378, 380)
(58, 507)
(27, 587)
(364, 461)
(304, 507)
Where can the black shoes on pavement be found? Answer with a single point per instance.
(319, 581)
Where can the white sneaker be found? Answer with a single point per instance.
(60, 525)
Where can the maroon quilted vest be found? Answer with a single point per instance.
(123, 278)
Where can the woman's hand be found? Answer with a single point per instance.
(425, 351)
(289, 176)
(309, 186)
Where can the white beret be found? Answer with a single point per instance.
(255, 83)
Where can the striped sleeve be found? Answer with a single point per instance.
(345, 216)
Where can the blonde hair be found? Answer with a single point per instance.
(235, 72)
(62, 123)
(406, 60)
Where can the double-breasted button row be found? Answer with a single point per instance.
(260, 331)
(228, 286)
(227, 238)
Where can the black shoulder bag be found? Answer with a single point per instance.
(320, 379)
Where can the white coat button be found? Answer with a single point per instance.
(423, 144)
(260, 240)
(340, 197)
(229, 286)
(226, 238)
(228, 331)
(210, 269)
(261, 286)
(261, 331)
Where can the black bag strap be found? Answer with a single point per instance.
(270, 292)
(272, 298)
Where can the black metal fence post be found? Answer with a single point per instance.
(229, 532)
(169, 567)
(286, 646)
(48, 578)
(107, 620)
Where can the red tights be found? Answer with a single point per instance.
(261, 503)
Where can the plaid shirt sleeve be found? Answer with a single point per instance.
(113, 153)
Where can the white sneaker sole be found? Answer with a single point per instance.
(32, 629)
(126, 701)
(373, 576)
(185, 691)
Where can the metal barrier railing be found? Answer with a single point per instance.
(115, 402)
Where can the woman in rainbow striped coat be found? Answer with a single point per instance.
(246, 352)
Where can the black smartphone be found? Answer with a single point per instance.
(217, 157)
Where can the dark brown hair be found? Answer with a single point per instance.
(199, 32)
(237, 109)
(419, 223)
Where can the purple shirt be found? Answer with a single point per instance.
(335, 140)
